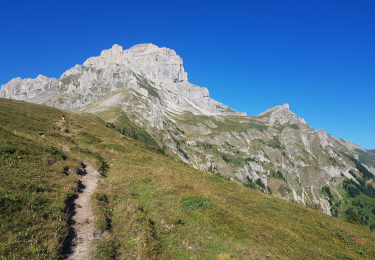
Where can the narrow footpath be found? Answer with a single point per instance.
(83, 220)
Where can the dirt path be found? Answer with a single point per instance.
(83, 220)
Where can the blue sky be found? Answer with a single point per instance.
(316, 55)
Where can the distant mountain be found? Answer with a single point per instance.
(276, 152)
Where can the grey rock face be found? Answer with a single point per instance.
(115, 70)
(24, 89)
(279, 115)
(157, 64)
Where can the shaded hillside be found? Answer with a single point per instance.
(367, 157)
(147, 205)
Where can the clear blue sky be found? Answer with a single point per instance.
(316, 55)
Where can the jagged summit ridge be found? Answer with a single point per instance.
(158, 64)
(28, 88)
(161, 69)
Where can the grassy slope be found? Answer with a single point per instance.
(34, 181)
(138, 205)
(239, 124)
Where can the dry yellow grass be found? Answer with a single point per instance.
(222, 256)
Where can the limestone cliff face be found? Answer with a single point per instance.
(115, 70)
(24, 89)
(160, 65)
(148, 85)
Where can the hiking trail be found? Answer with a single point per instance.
(83, 232)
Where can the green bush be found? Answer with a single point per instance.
(353, 217)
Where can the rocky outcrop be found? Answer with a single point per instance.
(25, 89)
(279, 115)
(160, 65)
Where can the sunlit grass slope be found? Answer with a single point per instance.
(148, 206)
(35, 183)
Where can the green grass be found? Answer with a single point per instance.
(142, 82)
(144, 204)
(194, 202)
(231, 123)
(34, 183)
(294, 126)
(148, 197)
(362, 203)
(125, 126)
(268, 114)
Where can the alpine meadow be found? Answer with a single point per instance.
(145, 165)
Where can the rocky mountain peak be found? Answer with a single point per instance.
(41, 77)
(144, 47)
(280, 115)
(117, 47)
(283, 115)
(161, 65)
(284, 107)
(145, 68)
